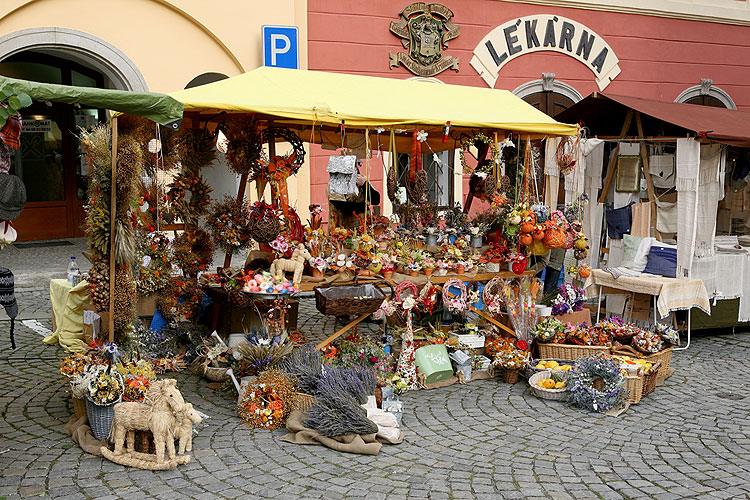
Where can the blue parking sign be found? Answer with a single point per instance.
(281, 47)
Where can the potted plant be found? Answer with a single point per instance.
(104, 392)
(318, 266)
(428, 266)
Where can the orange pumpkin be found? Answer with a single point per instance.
(584, 273)
(527, 227)
(525, 239)
(538, 233)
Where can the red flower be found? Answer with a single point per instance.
(523, 345)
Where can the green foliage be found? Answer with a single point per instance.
(15, 102)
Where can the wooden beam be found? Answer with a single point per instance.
(336, 335)
(112, 215)
(647, 173)
(613, 160)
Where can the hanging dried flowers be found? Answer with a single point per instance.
(155, 256)
(230, 224)
(193, 205)
(193, 251)
(245, 148)
(184, 301)
(195, 149)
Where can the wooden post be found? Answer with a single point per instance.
(647, 173)
(613, 161)
(112, 215)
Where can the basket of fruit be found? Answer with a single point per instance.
(556, 365)
(548, 385)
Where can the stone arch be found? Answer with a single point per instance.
(548, 83)
(707, 87)
(80, 47)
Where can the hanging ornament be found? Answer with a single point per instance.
(584, 271)
(580, 254)
(519, 264)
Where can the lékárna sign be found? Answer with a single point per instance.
(544, 32)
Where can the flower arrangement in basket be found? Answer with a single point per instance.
(667, 333)
(648, 342)
(74, 364)
(511, 359)
(135, 388)
(565, 299)
(547, 329)
(106, 387)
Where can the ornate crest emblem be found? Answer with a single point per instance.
(424, 30)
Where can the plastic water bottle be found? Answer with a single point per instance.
(73, 270)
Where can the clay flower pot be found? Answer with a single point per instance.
(460, 269)
(388, 274)
(317, 273)
(413, 274)
(428, 271)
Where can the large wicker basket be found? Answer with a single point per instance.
(304, 401)
(348, 300)
(664, 356)
(567, 351)
(541, 392)
(634, 386)
(79, 407)
(649, 380)
(100, 417)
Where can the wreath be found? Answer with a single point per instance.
(193, 251)
(596, 384)
(199, 195)
(290, 136)
(456, 304)
(155, 254)
(195, 149)
(230, 224)
(494, 157)
(245, 148)
(184, 301)
(267, 404)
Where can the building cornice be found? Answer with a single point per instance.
(714, 11)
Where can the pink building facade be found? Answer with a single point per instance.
(678, 53)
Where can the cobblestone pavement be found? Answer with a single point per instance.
(485, 440)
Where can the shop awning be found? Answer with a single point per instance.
(603, 114)
(304, 97)
(159, 108)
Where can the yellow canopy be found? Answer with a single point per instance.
(305, 97)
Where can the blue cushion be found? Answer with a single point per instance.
(662, 260)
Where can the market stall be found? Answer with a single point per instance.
(693, 160)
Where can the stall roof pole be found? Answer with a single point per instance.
(647, 173)
(613, 161)
(112, 214)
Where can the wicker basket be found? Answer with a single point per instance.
(348, 300)
(634, 386)
(510, 376)
(540, 392)
(79, 407)
(567, 351)
(304, 401)
(100, 417)
(664, 357)
(215, 374)
(532, 370)
(649, 380)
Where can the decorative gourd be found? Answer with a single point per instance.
(525, 239)
(538, 233)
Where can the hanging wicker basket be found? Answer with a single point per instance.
(100, 417)
(266, 228)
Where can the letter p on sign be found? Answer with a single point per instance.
(280, 47)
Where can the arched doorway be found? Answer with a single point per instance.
(49, 161)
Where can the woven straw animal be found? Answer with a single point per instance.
(155, 414)
(183, 427)
(295, 264)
